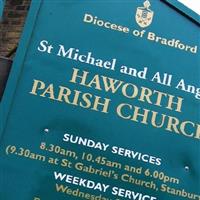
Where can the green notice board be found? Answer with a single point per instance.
(103, 104)
(1, 8)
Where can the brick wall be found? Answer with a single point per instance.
(12, 24)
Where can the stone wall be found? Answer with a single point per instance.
(12, 24)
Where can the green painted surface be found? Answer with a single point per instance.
(45, 103)
(1, 7)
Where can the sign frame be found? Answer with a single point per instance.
(18, 67)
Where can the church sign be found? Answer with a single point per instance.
(102, 103)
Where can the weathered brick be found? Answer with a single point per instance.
(12, 24)
(14, 14)
(16, 2)
(21, 8)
